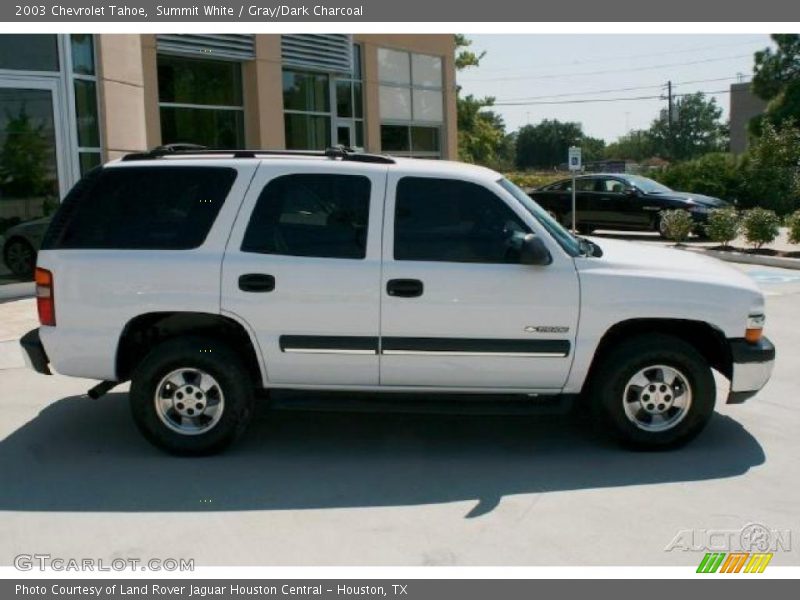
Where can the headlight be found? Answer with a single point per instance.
(698, 208)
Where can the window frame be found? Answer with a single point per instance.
(209, 107)
(355, 77)
(413, 122)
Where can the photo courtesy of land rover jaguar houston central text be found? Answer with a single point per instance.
(204, 277)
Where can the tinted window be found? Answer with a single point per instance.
(586, 185)
(561, 186)
(146, 208)
(311, 215)
(454, 221)
(614, 186)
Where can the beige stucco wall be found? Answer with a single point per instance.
(128, 82)
(121, 89)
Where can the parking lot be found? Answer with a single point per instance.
(388, 489)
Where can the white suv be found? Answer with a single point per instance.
(205, 276)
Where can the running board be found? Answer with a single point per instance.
(421, 403)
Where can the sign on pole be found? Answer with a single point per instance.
(574, 158)
(574, 162)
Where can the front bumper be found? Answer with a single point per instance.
(34, 352)
(752, 368)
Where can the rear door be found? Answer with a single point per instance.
(302, 270)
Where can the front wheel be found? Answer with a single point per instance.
(191, 396)
(653, 391)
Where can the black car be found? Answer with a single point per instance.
(620, 201)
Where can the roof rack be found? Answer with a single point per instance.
(335, 152)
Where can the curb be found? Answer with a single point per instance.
(750, 259)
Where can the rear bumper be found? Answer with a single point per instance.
(34, 352)
(752, 368)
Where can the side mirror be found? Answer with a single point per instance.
(631, 191)
(534, 252)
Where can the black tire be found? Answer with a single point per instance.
(615, 370)
(20, 257)
(212, 357)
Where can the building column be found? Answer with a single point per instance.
(262, 81)
(122, 96)
(372, 113)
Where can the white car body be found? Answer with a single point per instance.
(573, 299)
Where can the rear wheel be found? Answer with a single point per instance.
(653, 391)
(191, 396)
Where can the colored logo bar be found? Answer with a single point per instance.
(734, 562)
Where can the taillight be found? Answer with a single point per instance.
(45, 300)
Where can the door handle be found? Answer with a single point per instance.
(404, 288)
(256, 282)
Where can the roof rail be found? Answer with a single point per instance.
(188, 150)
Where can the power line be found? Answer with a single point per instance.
(594, 100)
(608, 91)
(625, 70)
(630, 56)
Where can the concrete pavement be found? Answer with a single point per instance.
(352, 489)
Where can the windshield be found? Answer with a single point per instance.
(647, 185)
(565, 239)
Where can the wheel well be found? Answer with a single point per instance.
(709, 341)
(142, 333)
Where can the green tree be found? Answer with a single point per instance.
(481, 133)
(776, 79)
(636, 145)
(23, 159)
(771, 169)
(545, 145)
(695, 130)
(592, 149)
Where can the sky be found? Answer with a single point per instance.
(562, 68)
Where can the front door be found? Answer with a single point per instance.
(345, 135)
(32, 177)
(302, 269)
(458, 309)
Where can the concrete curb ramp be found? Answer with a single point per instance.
(750, 259)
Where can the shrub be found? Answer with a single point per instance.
(676, 225)
(717, 174)
(723, 225)
(532, 179)
(793, 223)
(761, 226)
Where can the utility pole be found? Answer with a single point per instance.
(670, 134)
(669, 104)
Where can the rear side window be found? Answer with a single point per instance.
(141, 208)
(311, 215)
(454, 221)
